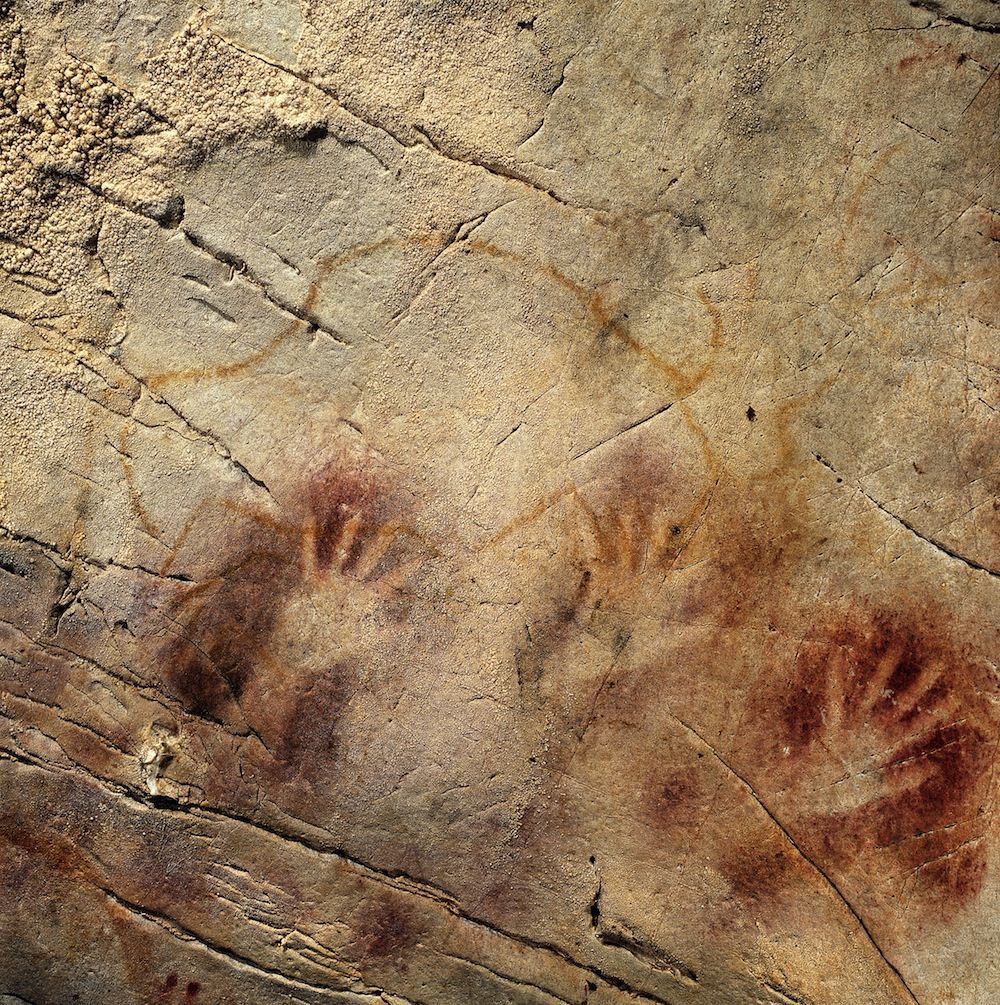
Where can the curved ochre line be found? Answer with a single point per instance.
(592, 303)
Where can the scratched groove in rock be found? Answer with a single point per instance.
(499, 502)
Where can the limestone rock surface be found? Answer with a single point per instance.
(499, 502)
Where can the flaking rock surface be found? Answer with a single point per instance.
(499, 502)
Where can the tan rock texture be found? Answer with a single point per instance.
(499, 502)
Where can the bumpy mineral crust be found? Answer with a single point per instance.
(499, 502)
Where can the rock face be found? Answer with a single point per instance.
(499, 502)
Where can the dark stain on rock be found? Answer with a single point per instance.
(619, 519)
(70, 843)
(311, 715)
(55, 851)
(221, 663)
(931, 57)
(630, 510)
(547, 635)
(674, 804)
(225, 623)
(760, 873)
(385, 930)
(884, 734)
(346, 510)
